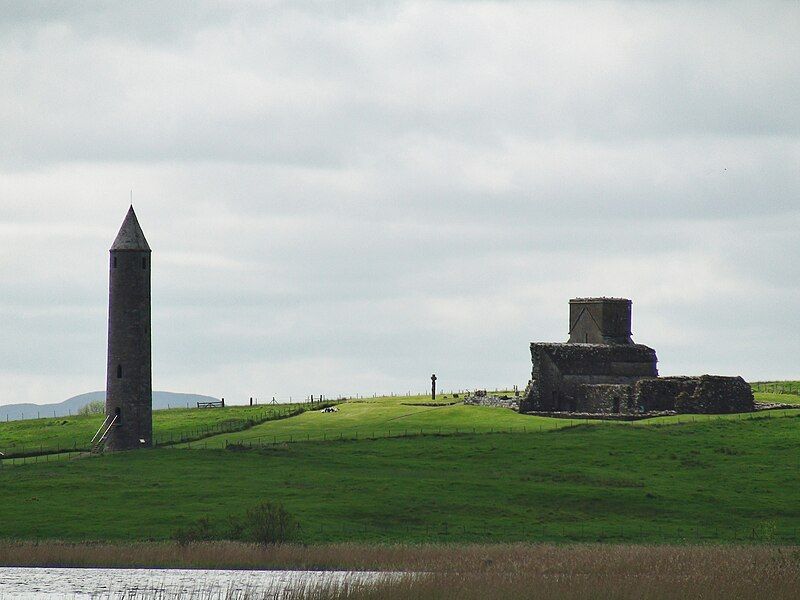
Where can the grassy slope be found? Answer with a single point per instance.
(77, 431)
(770, 391)
(779, 398)
(386, 416)
(715, 478)
(392, 416)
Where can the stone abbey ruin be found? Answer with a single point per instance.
(600, 370)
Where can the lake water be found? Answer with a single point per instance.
(163, 584)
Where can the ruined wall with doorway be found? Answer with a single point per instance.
(608, 398)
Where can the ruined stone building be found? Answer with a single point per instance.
(129, 387)
(601, 370)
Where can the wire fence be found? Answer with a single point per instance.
(58, 413)
(61, 456)
(548, 425)
(205, 431)
(198, 438)
(233, 425)
(777, 387)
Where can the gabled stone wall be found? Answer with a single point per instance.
(561, 373)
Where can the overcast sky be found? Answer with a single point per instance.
(346, 198)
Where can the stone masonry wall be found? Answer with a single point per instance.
(704, 394)
(561, 372)
(605, 398)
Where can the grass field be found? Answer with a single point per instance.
(38, 436)
(768, 397)
(784, 392)
(495, 476)
(713, 480)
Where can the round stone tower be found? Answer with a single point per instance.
(129, 381)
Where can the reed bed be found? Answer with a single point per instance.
(461, 571)
(666, 580)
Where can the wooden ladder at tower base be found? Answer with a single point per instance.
(99, 439)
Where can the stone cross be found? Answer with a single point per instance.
(433, 386)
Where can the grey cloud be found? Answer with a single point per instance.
(316, 90)
(346, 199)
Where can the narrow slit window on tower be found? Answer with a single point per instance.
(114, 262)
(144, 262)
(119, 371)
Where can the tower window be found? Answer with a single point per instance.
(114, 262)
(119, 371)
(144, 262)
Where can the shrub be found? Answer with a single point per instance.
(199, 531)
(265, 524)
(95, 407)
(268, 523)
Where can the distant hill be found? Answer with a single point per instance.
(12, 412)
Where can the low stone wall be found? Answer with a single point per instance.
(602, 416)
(775, 406)
(493, 401)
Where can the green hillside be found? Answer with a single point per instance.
(447, 471)
(387, 415)
(783, 392)
(714, 480)
(400, 416)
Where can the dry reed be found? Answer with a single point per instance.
(466, 571)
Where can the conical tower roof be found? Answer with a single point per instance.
(130, 236)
